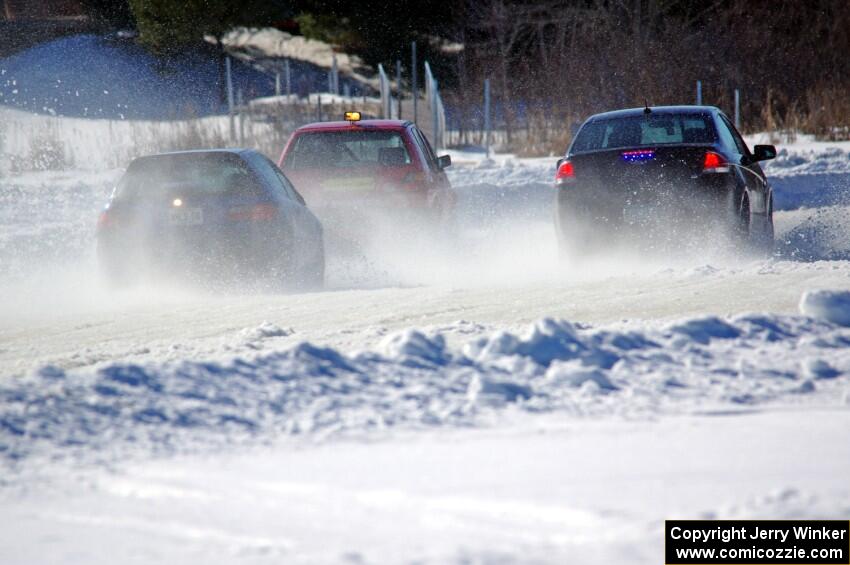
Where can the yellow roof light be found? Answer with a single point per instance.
(352, 116)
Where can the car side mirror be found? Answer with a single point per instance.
(764, 152)
(444, 161)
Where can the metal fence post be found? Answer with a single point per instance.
(435, 117)
(288, 77)
(737, 108)
(386, 93)
(230, 98)
(414, 86)
(699, 93)
(241, 117)
(398, 85)
(335, 75)
(441, 117)
(432, 95)
(487, 115)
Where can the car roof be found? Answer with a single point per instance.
(629, 112)
(362, 124)
(240, 151)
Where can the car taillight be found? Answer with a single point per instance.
(414, 178)
(715, 163)
(257, 213)
(565, 174)
(105, 220)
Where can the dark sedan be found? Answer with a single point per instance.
(227, 215)
(669, 170)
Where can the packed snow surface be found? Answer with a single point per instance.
(833, 306)
(539, 490)
(414, 380)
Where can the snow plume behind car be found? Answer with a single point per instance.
(478, 246)
(216, 216)
(503, 233)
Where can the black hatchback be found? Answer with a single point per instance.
(224, 214)
(671, 167)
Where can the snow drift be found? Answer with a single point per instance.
(833, 306)
(414, 381)
(110, 77)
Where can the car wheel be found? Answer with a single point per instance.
(115, 277)
(279, 271)
(762, 231)
(580, 241)
(314, 273)
(114, 271)
(742, 220)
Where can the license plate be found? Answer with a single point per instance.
(639, 214)
(352, 184)
(186, 217)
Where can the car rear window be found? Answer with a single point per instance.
(189, 174)
(639, 131)
(346, 149)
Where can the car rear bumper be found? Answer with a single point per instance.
(363, 202)
(235, 253)
(703, 198)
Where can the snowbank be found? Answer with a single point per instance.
(814, 234)
(260, 43)
(832, 306)
(808, 173)
(110, 77)
(414, 380)
(48, 220)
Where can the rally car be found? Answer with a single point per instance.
(363, 165)
(223, 214)
(670, 169)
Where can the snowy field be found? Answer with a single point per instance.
(474, 402)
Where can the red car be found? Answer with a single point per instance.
(368, 164)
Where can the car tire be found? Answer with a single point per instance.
(113, 270)
(742, 219)
(115, 277)
(577, 243)
(313, 276)
(279, 272)
(762, 231)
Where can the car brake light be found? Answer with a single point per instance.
(105, 220)
(257, 213)
(715, 163)
(566, 173)
(638, 156)
(414, 178)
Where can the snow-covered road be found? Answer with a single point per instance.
(425, 408)
(57, 311)
(540, 491)
(181, 325)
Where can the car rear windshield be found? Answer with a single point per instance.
(314, 150)
(641, 131)
(209, 175)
